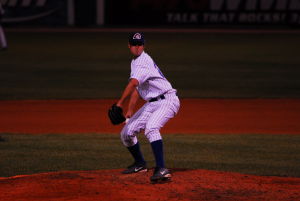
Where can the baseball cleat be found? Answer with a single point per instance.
(160, 174)
(135, 168)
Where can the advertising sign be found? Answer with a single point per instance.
(204, 12)
(37, 12)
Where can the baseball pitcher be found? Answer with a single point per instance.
(162, 104)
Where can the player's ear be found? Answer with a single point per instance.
(129, 45)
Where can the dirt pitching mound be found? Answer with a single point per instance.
(110, 185)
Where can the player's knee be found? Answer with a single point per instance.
(128, 140)
(128, 137)
(152, 134)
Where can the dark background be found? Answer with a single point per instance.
(161, 13)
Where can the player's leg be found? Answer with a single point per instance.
(164, 111)
(129, 138)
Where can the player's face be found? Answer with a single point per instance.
(136, 50)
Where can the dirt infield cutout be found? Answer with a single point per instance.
(215, 116)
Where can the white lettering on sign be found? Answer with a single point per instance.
(262, 17)
(182, 17)
(254, 5)
(24, 3)
(218, 17)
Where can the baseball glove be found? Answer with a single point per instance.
(115, 114)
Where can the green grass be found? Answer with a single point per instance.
(200, 65)
(251, 154)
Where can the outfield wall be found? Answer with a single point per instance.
(199, 14)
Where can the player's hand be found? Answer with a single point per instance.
(119, 104)
(129, 114)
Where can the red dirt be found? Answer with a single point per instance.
(110, 185)
(215, 116)
(270, 116)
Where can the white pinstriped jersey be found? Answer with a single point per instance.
(153, 115)
(152, 82)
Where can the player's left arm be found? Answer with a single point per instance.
(130, 88)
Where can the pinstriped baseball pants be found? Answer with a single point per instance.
(150, 118)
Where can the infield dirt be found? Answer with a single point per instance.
(265, 116)
(196, 116)
(110, 185)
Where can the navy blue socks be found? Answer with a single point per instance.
(157, 148)
(137, 154)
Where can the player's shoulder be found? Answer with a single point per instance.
(143, 59)
(143, 56)
(146, 55)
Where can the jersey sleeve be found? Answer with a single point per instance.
(141, 73)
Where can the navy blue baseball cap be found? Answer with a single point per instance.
(136, 38)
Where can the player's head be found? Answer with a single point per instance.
(136, 43)
(136, 39)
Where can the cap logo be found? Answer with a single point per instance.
(137, 36)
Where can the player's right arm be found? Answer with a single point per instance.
(132, 102)
(130, 88)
